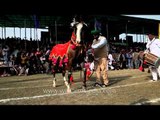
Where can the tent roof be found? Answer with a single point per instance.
(117, 23)
(28, 21)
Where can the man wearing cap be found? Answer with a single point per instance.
(100, 47)
(153, 46)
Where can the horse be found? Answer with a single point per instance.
(63, 56)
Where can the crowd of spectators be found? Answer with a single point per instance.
(27, 57)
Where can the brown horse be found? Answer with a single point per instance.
(63, 55)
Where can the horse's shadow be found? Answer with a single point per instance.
(118, 79)
(115, 79)
(112, 81)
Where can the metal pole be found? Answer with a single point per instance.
(14, 32)
(140, 37)
(50, 38)
(25, 44)
(107, 31)
(37, 38)
(25, 29)
(20, 32)
(137, 38)
(5, 32)
(4, 35)
(56, 31)
(34, 34)
(143, 33)
(2, 32)
(126, 34)
(107, 37)
(30, 33)
(20, 35)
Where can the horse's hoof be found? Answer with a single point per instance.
(68, 90)
(84, 87)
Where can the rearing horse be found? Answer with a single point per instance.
(62, 55)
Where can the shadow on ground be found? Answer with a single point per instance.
(91, 82)
(142, 101)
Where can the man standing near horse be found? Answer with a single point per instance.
(100, 47)
(153, 46)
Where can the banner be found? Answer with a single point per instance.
(97, 25)
(36, 22)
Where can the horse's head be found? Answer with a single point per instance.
(78, 25)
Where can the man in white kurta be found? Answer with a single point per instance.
(100, 48)
(153, 46)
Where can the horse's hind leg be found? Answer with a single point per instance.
(54, 77)
(84, 86)
(54, 80)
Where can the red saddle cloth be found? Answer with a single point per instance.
(59, 50)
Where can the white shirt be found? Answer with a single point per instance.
(110, 57)
(103, 41)
(154, 46)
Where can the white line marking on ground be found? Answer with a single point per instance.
(78, 91)
(23, 87)
(149, 101)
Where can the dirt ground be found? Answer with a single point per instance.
(127, 87)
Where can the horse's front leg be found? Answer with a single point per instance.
(65, 81)
(68, 83)
(70, 78)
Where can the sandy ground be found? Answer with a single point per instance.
(127, 87)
